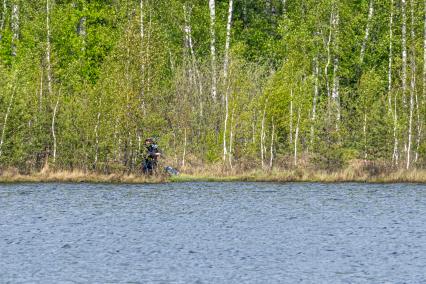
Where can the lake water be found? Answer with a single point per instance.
(213, 233)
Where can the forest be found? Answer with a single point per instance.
(236, 85)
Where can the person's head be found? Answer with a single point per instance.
(149, 141)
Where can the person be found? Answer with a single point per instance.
(151, 157)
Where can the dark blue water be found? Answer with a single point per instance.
(213, 233)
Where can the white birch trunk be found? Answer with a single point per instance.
(395, 155)
(225, 124)
(6, 116)
(364, 130)
(336, 79)
(48, 49)
(390, 58)
(314, 101)
(296, 137)
(81, 30)
(419, 129)
(271, 161)
(404, 51)
(228, 41)
(184, 149)
(412, 86)
(141, 23)
(417, 102)
(53, 130)
(367, 30)
(231, 138)
(3, 19)
(424, 56)
(213, 48)
(190, 45)
(142, 55)
(268, 6)
(98, 120)
(15, 27)
(283, 6)
(262, 137)
(40, 99)
(327, 65)
(291, 117)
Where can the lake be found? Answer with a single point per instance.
(213, 233)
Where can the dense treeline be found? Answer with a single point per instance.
(243, 83)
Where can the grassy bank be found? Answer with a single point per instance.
(78, 176)
(401, 176)
(353, 173)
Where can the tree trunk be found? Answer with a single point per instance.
(404, 51)
(81, 31)
(6, 116)
(225, 124)
(271, 161)
(190, 46)
(390, 58)
(336, 79)
(262, 136)
(3, 19)
(213, 48)
(424, 56)
(291, 117)
(48, 49)
(284, 8)
(367, 30)
(395, 155)
(142, 55)
(412, 85)
(40, 99)
(296, 137)
(15, 28)
(53, 130)
(228, 41)
(98, 119)
(364, 130)
(184, 149)
(231, 138)
(314, 101)
(327, 65)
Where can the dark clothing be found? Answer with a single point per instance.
(150, 159)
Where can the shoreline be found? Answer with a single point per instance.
(401, 176)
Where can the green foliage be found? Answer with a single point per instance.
(115, 84)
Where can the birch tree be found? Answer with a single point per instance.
(228, 41)
(390, 58)
(15, 27)
(424, 54)
(404, 50)
(225, 75)
(412, 86)
(367, 30)
(53, 130)
(48, 49)
(296, 136)
(213, 48)
(336, 79)
(6, 117)
(271, 160)
(314, 100)
(3, 19)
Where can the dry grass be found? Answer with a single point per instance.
(12, 176)
(356, 171)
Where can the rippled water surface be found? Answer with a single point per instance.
(213, 233)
